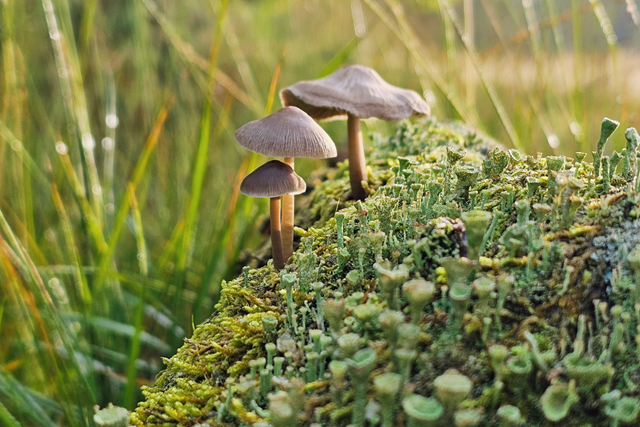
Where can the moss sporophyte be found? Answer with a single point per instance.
(475, 286)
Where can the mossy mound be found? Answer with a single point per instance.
(475, 286)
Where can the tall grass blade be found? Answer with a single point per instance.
(6, 418)
(340, 58)
(120, 328)
(16, 145)
(469, 33)
(191, 57)
(540, 117)
(632, 8)
(2, 305)
(497, 104)
(33, 407)
(109, 150)
(79, 113)
(146, 61)
(201, 153)
(243, 66)
(450, 49)
(86, 28)
(565, 72)
(134, 352)
(14, 106)
(73, 376)
(79, 278)
(612, 40)
(136, 176)
(534, 29)
(405, 34)
(578, 98)
(57, 42)
(605, 23)
(554, 22)
(93, 224)
(273, 87)
(223, 239)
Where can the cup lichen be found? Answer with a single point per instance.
(421, 411)
(390, 295)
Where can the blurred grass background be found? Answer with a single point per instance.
(119, 204)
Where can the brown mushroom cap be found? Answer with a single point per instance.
(272, 179)
(355, 90)
(288, 132)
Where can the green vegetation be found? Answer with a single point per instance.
(428, 304)
(119, 206)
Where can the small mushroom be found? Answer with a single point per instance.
(288, 133)
(273, 179)
(357, 92)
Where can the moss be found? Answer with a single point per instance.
(536, 308)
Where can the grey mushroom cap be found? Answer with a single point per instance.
(289, 132)
(272, 179)
(355, 90)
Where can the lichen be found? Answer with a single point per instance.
(474, 286)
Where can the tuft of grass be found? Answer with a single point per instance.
(120, 210)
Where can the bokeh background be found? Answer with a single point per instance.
(119, 175)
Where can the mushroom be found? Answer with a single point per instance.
(357, 92)
(273, 179)
(288, 133)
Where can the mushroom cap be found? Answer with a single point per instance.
(355, 90)
(272, 179)
(289, 132)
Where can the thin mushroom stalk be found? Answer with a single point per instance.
(288, 214)
(357, 163)
(276, 236)
(288, 133)
(273, 179)
(360, 93)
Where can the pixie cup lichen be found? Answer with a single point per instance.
(540, 328)
(421, 411)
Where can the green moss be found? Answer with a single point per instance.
(537, 324)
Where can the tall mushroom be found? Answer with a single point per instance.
(287, 133)
(357, 92)
(273, 179)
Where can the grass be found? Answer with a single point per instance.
(119, 204)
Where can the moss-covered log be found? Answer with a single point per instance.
(474, 286)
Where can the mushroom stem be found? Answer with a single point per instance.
(357, 164)
(288, 212)
(276, 238)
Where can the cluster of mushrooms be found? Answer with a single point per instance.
(354, 91)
